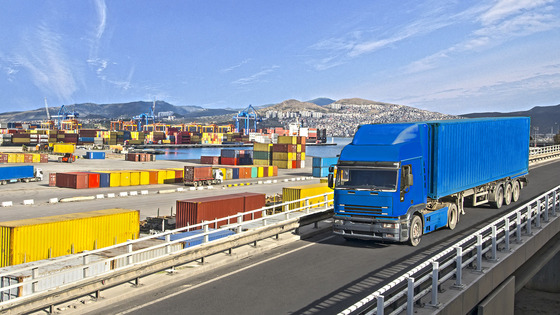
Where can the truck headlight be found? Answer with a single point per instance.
(389, 225)
(338, 222)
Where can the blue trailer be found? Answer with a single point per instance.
(396, 182)
(21, 173)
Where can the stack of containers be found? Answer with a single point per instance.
(299, 192)
(194, 211)
(86, 136)
(262, 153)
(289, 152)
(24, 158)
(321, 165)
(21, 138)
(236, 157)
(210, 160)
(182, 137)
(42, 238)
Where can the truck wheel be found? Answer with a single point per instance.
(195, 184)
(452, 216)
(26, 180)
(498, 197)
(415, 231)
(507, 195)
(516, 191)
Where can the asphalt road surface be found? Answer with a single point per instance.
(322, 275)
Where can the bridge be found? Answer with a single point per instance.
(487, 255)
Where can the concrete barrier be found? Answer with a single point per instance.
(111, 195)
(200, 188)
(192, 188)
(28, 202)
(123, 194)
(180, 189)
(210, 187)
(143, 192)
(53, 200)
(100, 196)
(81, 198)
(134, 193)
(7, 203)
(274, 181)
(166, 191)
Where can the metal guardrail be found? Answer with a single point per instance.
(41, 275)
(543, 153)
(402, 293)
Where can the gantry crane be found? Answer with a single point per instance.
(247, 115)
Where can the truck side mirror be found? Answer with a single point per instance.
(330, 181)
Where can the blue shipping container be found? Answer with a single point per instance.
(324, 161)
(320, 171)
(16, 172)
(95, 155)
(466, 153)
(198, 240)
(104, 179)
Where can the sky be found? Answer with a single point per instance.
(452, 57)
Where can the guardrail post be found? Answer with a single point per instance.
(494, 244)
(518, 226)
(86, 267)
(167, 240)
(538, 218)
(129, 257)
(206, 236)
(34, 284)
(307, 207)
(529, 220)
(479, 252)
(239, 221)
(554, 205)
(506, 236)
(435, 280)
(410, 297)
(547, 206)
(380, 305)
(459, 268)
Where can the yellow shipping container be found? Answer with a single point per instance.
(12, 158)
(134, 178)
(287, 140)
(64, 148)
(303, 156)
(40, 238)
(260, 162)
(281, 164)
(20, 158)
(299, 192)
(114, 178)
(125, 178)
(144, 178)
(263, 147)
(36, 158)
(260, 171)
(170, 176)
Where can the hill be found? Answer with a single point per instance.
(322, 101)
(293, 106)
(545, 118)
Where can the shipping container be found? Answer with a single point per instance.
(76, 180)
(95, 155)
(193, 175)
(20, 172)
(145, 177)
(104, 179)
(304, 191)
(93, 179)
(134, 178)
(324, 161)
(52, 179)
(64, 148)
(194, 211)
(35, 239)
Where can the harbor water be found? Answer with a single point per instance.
(196, 153)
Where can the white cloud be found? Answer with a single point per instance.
(505, 8)
(235, 66)
(101, 9)
(254, 78)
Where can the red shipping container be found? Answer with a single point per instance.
(74, 180)
(294, 164)
(274, 170)
(252, 201)
(197, 173)
(143, 157)
(27, 158)
(178, 176)
(246, 171)
(44, 158)
(279, 147)
(93, 179)
(52, 179)
(210, 160)
(3, 158)
(229, 161)
(153, 177)
(194, 211)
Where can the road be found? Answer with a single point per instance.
(322, 275)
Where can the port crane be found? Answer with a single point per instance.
(144, 118)
(63, 114)
(247, 115)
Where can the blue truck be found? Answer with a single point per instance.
(21, 173)
(396, 182)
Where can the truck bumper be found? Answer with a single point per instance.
(371, 228)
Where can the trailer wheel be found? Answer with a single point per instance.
(3, 182)
(498, 197)
(452, 216)
(195, 184)
(415, 231)
(516, 191)
(26, 180)
(508, 195)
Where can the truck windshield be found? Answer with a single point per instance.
(367, 178)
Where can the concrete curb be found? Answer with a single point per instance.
(73, 199)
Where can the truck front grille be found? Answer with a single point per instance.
(365, 210)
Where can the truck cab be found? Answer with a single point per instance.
(380, 182)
